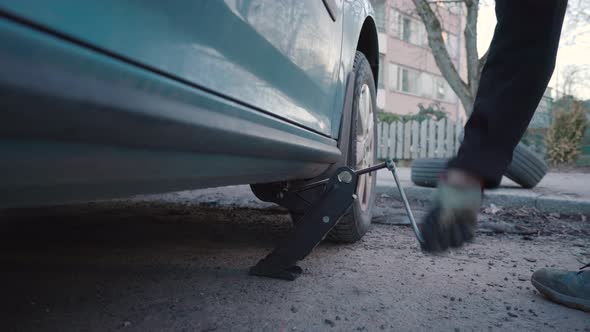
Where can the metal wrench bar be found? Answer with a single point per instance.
(391, 167)
(371, 168)
(324, 181)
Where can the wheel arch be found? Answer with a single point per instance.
(368, 44)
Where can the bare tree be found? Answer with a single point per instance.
(575, 26)
(574, 80)
(464, 89)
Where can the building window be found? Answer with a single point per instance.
(404, 79)
(426, 85)
(419, 83)
(407, 28)
(453, 7)
(393, 77)
(380, 79)
(410, 81)
(379, 7)
(394, 22)
(440, 88)
(443, 91)
(451, 43)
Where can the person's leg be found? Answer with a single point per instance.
(519, 65)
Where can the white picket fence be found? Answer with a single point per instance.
(413, 139)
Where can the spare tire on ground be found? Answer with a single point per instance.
(425, 172)
(527, 169)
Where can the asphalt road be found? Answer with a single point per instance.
(175, 265)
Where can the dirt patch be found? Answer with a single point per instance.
(162, 266)
(526, 222)
(531, 222)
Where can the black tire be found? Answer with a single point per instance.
(527, 168)
(356, 222)
(425, 172)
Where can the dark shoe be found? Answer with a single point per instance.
(565, 287)
(453, 218)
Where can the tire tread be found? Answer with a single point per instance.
(347, 230)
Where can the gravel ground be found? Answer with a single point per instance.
(175, 265)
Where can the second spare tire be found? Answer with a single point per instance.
(527, 168)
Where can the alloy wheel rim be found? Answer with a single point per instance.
(365, 145)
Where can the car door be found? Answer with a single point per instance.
(277, 56)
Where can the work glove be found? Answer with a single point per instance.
(452, 220)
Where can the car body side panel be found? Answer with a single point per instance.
(73, 118)
(279, 56)
(355, 12)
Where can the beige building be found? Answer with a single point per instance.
(409, 76)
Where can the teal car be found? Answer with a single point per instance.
(106, 99)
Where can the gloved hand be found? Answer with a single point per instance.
(453, 219)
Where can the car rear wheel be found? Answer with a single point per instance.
(362, 153)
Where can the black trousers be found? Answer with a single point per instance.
(521, 59)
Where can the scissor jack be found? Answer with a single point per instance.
(319, 219)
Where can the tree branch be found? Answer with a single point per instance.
(482, 62)
(470, 33)
(441, 54)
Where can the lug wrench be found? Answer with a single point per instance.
(390, 165)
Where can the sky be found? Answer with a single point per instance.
(570, 53)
